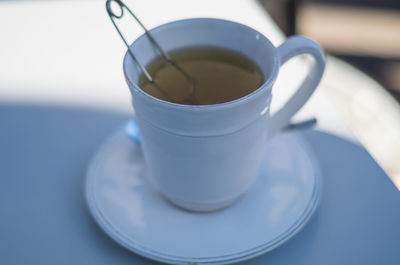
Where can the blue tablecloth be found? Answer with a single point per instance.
(44, 152)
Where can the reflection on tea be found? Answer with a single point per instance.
(217, 75)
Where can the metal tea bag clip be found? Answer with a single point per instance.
(191, 97)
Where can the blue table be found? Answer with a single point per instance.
(44, 152)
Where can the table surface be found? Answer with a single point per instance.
(44, 218)
(62, 92)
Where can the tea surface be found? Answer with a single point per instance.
(219, 75)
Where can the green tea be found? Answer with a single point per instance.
(216, 75)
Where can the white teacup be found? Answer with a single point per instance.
(203, 158)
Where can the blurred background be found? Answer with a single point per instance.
(66, 52)
(364, 33)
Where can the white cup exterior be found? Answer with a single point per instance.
(203, 158)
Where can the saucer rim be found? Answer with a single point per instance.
(137, 248)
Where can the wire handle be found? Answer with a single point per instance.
(114, 16)
(191, 98)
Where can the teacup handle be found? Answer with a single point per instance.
(294, 46)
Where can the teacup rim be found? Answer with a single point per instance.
(266, 85)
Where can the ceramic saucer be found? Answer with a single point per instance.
(280, 202)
